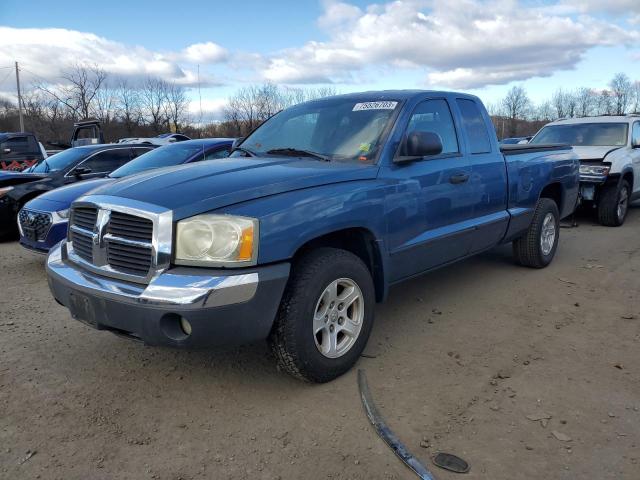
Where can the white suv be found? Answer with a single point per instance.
(609, 151)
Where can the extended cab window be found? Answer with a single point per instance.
(474, 126)
(107, 161)
(434, 116)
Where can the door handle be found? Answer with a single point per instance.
(459, 178)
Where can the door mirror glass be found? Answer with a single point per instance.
(422, 144)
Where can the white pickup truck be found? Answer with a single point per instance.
(609, 152)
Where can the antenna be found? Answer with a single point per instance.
(19, 98)
(200, 97)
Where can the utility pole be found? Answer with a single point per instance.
(19, 98)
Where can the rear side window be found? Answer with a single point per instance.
(474, 126)
(434, 116)
(108, 160)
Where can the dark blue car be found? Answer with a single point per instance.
(43, 221)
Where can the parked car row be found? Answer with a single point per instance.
(296, 234)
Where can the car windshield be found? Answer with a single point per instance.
(175, 154)
(340, 128)
(60, 160)
(584, 134)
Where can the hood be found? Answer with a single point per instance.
(201, 187)
(16, 178)
(593, 153)
(61, 198)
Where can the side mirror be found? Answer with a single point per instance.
(420, 144)
(635, 143)
(79, 171)
(237, 142)
(6, 150)
(172, 140)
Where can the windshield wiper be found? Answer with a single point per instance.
(298, 152)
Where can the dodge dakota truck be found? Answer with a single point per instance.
(296, 235)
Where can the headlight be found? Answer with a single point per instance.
(594, 169)
(4, 191)
(60, 216)
(63, 213)
(217, 240)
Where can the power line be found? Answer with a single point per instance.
(5, 77)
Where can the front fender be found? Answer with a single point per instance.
(290, 220)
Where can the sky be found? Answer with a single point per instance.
(477, 46)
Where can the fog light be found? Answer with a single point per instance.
(185, 325)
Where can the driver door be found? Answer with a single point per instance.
(430, 212)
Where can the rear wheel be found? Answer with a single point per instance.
(537, 247)
(325, 316)
(614, 204)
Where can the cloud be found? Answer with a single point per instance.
(45, 53)
(208, 52)
(617, 7)
(458, 43)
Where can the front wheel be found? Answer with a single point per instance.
(614, 204)
(537, 247)
(325, 316)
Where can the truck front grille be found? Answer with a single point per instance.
(123, 243)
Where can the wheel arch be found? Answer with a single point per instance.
(358, 240)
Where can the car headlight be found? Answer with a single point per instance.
(594, 169)
(63, 213)
(4, 191)
(217, 241)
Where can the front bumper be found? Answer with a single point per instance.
(222, 307)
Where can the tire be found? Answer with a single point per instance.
(302, 310)
(529, 249)
(614, 204)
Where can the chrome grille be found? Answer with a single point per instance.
(35, 225)
(84, 217)
(82, 245)
(134, 260)
(112, 241)
(130, 226)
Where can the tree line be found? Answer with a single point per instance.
(146, 108)
(153, 106)
(516, 115)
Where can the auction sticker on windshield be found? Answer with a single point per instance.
(374, 106)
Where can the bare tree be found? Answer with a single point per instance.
(517, 105)
(621, 93)
(153, 98)
(585, 102)
(176, 106)
(605, 104)
(128, 106)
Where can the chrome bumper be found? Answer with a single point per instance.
(186, 288)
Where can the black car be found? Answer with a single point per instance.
(19, 150)
(68, 166)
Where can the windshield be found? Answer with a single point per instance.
(332, 129)
(584, 134)
(60, 160)
(175, 154)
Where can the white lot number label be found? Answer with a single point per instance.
(374, 106)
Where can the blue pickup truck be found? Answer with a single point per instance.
(307, 224)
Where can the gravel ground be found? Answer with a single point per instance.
(524, 373)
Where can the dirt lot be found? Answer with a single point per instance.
(461, 358)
